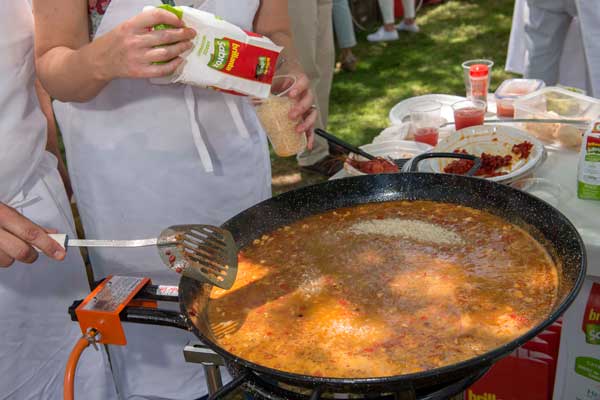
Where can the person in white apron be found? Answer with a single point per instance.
(36, 333)
(570, 55)
(143, 157)
(589, 15)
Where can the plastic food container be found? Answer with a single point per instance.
(510, 90)
(556, 103)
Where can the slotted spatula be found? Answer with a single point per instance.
(202, 252)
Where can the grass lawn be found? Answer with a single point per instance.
(417, 64)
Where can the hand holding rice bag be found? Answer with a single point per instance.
(224, 56)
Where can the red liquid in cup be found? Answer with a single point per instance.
(505, 110)
(468, 116)
(427, 135)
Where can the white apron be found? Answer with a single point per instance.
(36, 333)
(143, 157)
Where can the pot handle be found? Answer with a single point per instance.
(477, 161)
(154, 316)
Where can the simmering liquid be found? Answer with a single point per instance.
(383, 289)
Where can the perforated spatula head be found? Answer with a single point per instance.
(202, 252)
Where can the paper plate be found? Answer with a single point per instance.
(491, 139)
(400, 112)
(395, 149)
(393, 133)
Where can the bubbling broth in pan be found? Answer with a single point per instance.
(383, 289)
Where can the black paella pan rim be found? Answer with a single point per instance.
(383, 185)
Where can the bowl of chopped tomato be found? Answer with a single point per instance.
(506, 153)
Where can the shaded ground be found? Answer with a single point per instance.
(417, 64)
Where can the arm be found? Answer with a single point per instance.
(72, 68)
(273, 21)
(18, 235)
(52, 142)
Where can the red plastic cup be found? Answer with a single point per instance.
(468, 113)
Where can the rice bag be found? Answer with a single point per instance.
(224, 56)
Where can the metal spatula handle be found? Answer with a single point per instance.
(65, 242)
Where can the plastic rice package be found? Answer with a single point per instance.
(224, 56)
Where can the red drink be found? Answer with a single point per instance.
(505, 109)
(468, 116)
(427, 135)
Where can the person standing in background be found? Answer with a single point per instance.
(545, 34)
(37, 333)
(312, 29)
(389, 31)
(589, 16)
(344, 32)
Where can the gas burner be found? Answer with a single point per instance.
(262, 387)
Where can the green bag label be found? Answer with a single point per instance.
(592, 334)
(220, 57)
(160, 27)
(175, 10)
(588, 367)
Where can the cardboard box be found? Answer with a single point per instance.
(578, 370)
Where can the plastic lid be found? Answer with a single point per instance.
(513, 88)
(479, 70)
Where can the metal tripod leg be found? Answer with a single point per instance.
(196, 352)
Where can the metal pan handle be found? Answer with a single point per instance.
(154, 316)
(477, 161)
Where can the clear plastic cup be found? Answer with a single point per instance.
(273, 113)
(468, 113)
(467, 66)
(425, 118)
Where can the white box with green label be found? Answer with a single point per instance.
(578, 369)
(588, 175)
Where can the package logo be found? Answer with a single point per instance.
(591, 317)
(484, 396)
(263, 67)
(588, 367)
(220, 57)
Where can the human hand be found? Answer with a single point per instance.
(133, 48)
(18, 235)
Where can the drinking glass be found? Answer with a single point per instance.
(425, 118)
(273, 115)
(468, 113)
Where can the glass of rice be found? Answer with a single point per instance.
(273, 113)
